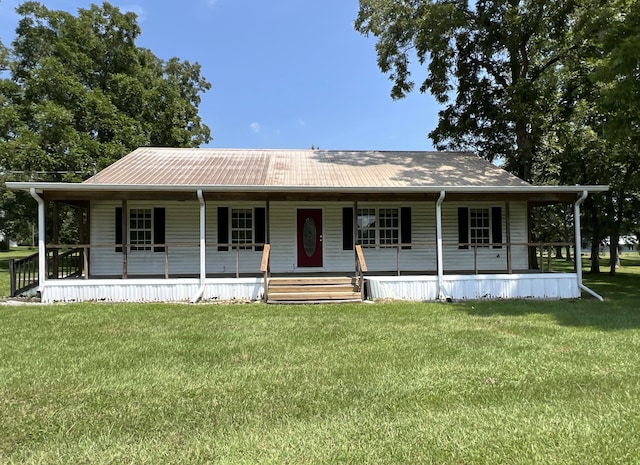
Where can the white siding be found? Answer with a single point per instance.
(224, 261)
(182, 226)
(488, 258)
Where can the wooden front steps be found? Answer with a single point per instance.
(296, 290)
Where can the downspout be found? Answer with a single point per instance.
(203, 250)
(42, 253)
(440, 266)
(577, 254)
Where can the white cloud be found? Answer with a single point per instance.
(137, 9)
(255, 127)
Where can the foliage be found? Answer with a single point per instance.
(491, 63)
(82, 94)
(548, 87)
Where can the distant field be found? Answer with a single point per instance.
(482, 382)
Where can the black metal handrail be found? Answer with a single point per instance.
(23, 274)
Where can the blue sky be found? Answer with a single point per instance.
(284, 73)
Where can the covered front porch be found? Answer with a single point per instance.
(193, 261)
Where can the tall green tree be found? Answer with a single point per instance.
(81, 94)
(88, 94)
(617, 75)
(491, 63)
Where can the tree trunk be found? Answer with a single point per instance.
(595, 239)
(568, 257)
(559, 252)
(613, 249)
(523, 150)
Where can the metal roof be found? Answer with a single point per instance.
(312, 168)
(181, 171)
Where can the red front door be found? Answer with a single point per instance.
(309, 237)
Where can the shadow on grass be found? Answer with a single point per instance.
(619, 311)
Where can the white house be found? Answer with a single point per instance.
(165, 224)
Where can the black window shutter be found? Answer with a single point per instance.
(347, 228)
(405, 226)
(159, 228)
(496, 226)
(463, 227)
(223, 228)
(261, 227)
(119, 228)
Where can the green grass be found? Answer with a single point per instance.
(17, 252)
(507, 382)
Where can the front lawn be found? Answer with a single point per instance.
(407, 383)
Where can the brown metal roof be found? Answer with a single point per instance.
(303, 168)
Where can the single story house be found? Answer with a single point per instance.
(167, 224)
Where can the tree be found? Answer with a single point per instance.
(82, 94)
(90, 95)
(618, 77)
(491, 63)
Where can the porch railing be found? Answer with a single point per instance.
(68, 264)
(543, 252)
(75, 262)
(72, 260)
(23, 274)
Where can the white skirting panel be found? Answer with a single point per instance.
(233, 289)
(149, 290)
(474, 287)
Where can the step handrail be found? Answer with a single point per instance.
(265, 268)
(361, 268)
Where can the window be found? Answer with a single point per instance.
(382, 226)
(242, 226)
(366, 226)
(479, 226)
(389, 225)
(140, 231)
(146, 227)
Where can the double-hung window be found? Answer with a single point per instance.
(242, 226)
(479, 226)
(389, 225)
(146, 226)
(367, 226)
(378, 226)
(140, 229)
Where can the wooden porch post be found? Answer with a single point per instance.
(355, 230)
(87, 239)
(267, 226)
(125, 237)
(507, 215)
